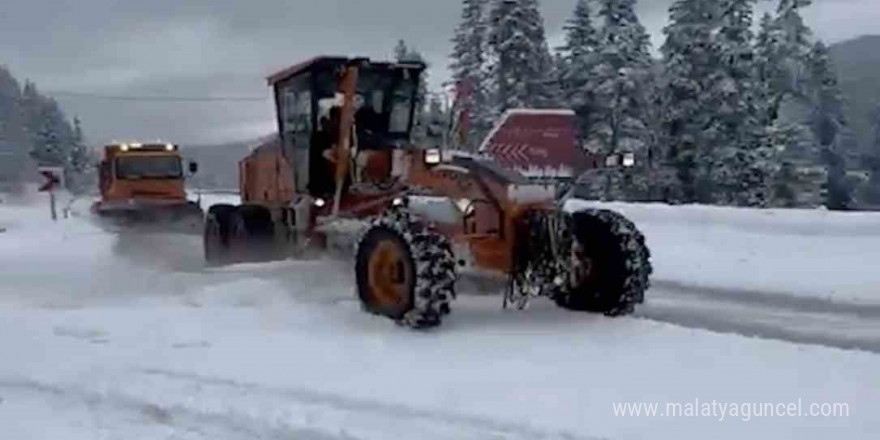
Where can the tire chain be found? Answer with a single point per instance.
(436, 270)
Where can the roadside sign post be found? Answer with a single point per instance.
(54, 177)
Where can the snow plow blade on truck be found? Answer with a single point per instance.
(142, 189)
(344, 165)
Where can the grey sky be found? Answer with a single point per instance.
(226, 48)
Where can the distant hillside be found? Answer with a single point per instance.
(218, 164)
(858, 65)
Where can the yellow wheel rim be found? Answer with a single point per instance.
(389, 277)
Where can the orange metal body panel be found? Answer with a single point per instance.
(159, 191)
(266, 178)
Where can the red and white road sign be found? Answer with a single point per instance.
(54, 177)
(535, 139)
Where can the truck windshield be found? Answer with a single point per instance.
(148, 167)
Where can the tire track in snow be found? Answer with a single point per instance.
(122, 416)
(799, 320)
(772, 299)
(190, 406)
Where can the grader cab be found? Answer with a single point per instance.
(344, 164)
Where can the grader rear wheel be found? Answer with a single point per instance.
(217, 234)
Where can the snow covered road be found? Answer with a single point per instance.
(128, 337)
(794, 319)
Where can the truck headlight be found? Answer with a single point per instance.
(432, 157)
(320, 203)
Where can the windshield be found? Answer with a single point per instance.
(148, 167)
(383, 102)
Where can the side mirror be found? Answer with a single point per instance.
(193, 167)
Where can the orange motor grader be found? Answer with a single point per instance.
(344, 165)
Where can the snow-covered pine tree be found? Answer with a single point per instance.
(401, 51)
(742, 155)
(437, 121)
(690, 61)
(782, 50)
(870, 192)
(81, 171)
(402, 54)
(770, 68)
(782, 54)
(619, 75)
(51, 143)
(795, 42)
(520, 65)
(13, 142)
(468, 68)
(827, 122)
(577, 58)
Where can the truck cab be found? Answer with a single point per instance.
(142, 172)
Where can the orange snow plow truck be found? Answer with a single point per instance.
(142, 186)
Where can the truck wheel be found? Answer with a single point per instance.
(405, 271)
(257, 234)
(610, 264)
(217, 234)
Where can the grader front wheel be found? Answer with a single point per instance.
(405, 271)
(609, 264)
(386, 270)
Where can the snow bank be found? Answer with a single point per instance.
(812, 253)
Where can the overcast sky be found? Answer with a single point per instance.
(197, 48)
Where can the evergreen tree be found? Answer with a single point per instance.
(575, 64)
(468, 69)
(741, 162)
(437, 119)
(401, 51)
(827, 122)
(81, 161)
(690, 61)
(13, 142)
(53, 141)
(521, 66)
(620, 72)
(783, 64)
(870, 193)
(34, 126)
(404, 54)
(770, 69)
(784, 48)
